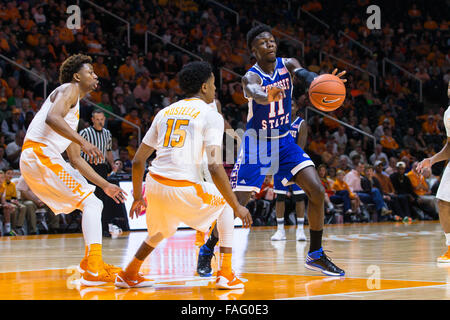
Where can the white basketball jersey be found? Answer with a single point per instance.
(447, 121)
(39, 131)
(180, 133)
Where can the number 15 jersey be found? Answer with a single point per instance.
(180, 133)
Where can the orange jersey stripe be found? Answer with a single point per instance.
(206, 197)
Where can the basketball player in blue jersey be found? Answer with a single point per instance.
(268, 148)
(299, 131)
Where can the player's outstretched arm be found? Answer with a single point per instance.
(112, 190)
(251, 83)
(63, 100)
(300, 72)
(137, 172)
(442, 155)
(222, 183)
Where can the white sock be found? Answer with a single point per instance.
(447, 237)
(280, 223)
(91, 221)
(7, 227)
(330, 206)
(300, 222)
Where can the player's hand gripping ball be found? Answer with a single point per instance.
(327, 91)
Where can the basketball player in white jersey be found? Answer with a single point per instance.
(59, 184)
(175, 190)
(443, 193)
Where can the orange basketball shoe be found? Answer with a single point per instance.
(445, 258)
(125, 281)
(228, 281)
(108, 267)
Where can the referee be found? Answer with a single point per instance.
(102, 139)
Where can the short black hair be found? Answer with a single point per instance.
(193, 76)
(72, 65)
(254, 32)
(97, 111)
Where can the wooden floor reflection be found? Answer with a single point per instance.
(382, 261)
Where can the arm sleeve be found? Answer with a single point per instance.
(151, 137)
(213, 132)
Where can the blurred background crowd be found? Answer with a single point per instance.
(396, 90)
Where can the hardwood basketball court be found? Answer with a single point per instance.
(382, 261)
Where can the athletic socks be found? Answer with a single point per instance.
(8, 227)
(225, 262)
(300, 222)
(280, 223)
(315, 240)
(447, 237)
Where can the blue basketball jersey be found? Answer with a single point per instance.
(276, 115)
(295, 127)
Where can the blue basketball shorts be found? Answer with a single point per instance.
(259, 157)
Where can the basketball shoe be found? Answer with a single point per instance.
(108, 267)
(300, 234)
(280, 235)
(228, 281)
(318, 261)
(445, 258)
(138, 281)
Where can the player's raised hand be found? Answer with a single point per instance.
(95, 155)
(422, 165)
(115, 192)
(243, 213)
(137, 207)
(275, 94)
(340, 74)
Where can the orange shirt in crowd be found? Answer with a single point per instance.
(173, 84)
(391, 120)
(388, 142)
(66, 35)
(342, 185)
(330, 124)
(126, 128)
(159, 84)
(238, 98)
(127, 72)
(318, 147)
(27, 24)
(33, 39)
(96, 96)
(418, 182)
(101, 70)
(428, 128)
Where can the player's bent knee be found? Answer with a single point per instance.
(92, 203)
(154, 240)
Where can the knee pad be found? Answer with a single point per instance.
(93, 204)
(225, 226)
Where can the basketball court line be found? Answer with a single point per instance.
(362, 292)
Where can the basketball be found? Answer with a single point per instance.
(327, 92)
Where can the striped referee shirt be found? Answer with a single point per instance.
(101, 139)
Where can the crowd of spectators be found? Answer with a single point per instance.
(136, 81)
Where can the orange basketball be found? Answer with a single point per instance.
(327, 92)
